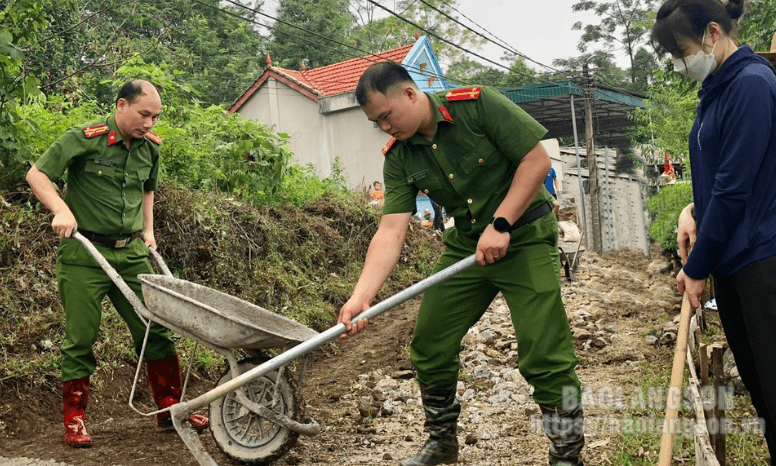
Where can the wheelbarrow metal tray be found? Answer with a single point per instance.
(218, 318)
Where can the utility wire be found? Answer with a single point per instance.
(274, 28)
(436, 36)
(502, 44)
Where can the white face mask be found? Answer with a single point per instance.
(698, 66)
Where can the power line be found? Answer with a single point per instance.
(436, 36)
(274, 28)
(503, 44)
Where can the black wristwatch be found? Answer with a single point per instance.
(501, 225)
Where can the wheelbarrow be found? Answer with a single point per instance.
(255, 413)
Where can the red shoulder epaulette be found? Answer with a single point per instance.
(388, 146)
(467, 93)
(153, 137)
(98, 130)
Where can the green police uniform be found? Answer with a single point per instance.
(468, 168)
(105, 187)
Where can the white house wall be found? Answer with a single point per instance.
(292, 113)
(358, 144)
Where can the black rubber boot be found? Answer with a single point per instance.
(442, 410)
(565, 429)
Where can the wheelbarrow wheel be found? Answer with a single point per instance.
(243, 434)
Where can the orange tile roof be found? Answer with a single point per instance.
(326, 80)
(343, 77)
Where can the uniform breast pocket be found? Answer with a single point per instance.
(481, 159)
(100, 170)
(143, 174)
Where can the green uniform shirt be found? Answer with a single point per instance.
(469, 166)
(105, 181)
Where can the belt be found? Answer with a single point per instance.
(532, 215)
(527, 217)
(108, 241)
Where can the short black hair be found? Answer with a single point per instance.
(689, 19)
(131, 90)
(381, 77)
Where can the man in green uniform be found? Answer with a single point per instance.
(477, 154)
(112, 168)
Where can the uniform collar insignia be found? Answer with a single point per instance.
(446, 114)
(112, 138)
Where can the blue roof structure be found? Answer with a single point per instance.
(424, 68)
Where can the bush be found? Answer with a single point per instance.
(665, 207)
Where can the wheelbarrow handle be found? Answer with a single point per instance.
(137, 305)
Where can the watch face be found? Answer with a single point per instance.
(501, 224)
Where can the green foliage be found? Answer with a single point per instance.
(623, 25)
(216, 46)
(757, 25)
(302, 185)
(43, 120)
(212, 149)
(667, 117)
(468, 71)
(305, 31)
(21, 27)
(665, 207)
(298, 261)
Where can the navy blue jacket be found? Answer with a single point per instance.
(733, 160)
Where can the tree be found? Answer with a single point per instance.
(21, 27)
(757, 25)
(438, 17)
(667, 117)
(623, 23)
(466, 71)
(311, 31)
(91, 39)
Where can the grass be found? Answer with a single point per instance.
(298, 261)
(637, 448)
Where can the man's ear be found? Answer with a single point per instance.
(411, 93)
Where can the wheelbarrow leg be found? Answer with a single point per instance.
(189, 436)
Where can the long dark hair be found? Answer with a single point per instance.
(689, 19)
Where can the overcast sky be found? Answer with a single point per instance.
(540, 29)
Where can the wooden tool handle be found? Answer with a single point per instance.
(674, 396)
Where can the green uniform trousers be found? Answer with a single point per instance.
(82, 287)
(529, 278)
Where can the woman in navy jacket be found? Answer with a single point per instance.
(731, 226)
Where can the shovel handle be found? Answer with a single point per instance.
(674, 397)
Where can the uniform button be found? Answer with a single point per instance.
(469, 201)
(474, 220)
(433, 146)
(123, 215)
(99, 173)
(450, 176)
(425, 191)
(409, 180)
(481, 160)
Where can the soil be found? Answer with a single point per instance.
(625, 289)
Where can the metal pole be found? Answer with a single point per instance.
(579, 164)
(608, 201)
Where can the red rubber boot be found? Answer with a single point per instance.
(164, 375)
(75, 396)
